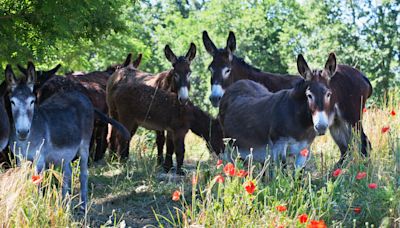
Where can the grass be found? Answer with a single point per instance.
(137, 193)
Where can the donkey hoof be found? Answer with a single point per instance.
(180, 172)
(167, 168)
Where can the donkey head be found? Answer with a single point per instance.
(22, 99)
(128, 61)
(318, 92)
(221, 65)
(181, 72)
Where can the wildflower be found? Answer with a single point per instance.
(364, 110)
(281, 226)
(281, 208)
(219, 163)
(176, 195)
(242, 173)
(385, 129)
(317, 224)
(37, 179)
(219, 179)
(357, 210)
(303, 218)
(229, 169)
(361, 175)
(372, 186)
(393, 113)
(250, 187)
(337, 172)
(304, 152)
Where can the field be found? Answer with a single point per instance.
(363, 193)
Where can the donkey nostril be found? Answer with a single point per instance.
(23, 133)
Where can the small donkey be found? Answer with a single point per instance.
(54, 132)
(292, 118)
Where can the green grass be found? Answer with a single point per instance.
(137, 193)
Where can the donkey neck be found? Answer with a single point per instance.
(273, 82)
(165, 81)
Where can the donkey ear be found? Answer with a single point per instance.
(170, 55)
(231, 42)
(208, 44)
(12, 81)
(191, 53)
(303, 68)
(137, 61)
(51, 72)
(330, 65)
(127, 60)
(31, 76)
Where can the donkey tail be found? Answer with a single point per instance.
(121, 128)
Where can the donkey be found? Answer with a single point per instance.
(256, 118)
(136, 98)
(175, 80)
(95, 88)
(350, 87)
(53, 132)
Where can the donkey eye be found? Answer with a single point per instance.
(309, 96)
(12, 103)
(32, 102)
(328, 95)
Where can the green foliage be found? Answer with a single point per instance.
(92, 34)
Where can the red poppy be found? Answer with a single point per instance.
(281, 226)
(317, 224)
(361, 175)
(304, 152)
(385, 129)
(372, 186)
(337, 172)
(357, 210)
(229, 169)
(176, 195)
(281, 208)
(242, 173)
(219, 163)
(303, 218)
(393, 113)
(219, 179)
(37, 179)
(364, 110)
(250, 187)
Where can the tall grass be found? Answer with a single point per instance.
(349, 199)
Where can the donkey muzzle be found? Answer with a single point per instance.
(22, 134)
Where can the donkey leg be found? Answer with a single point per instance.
(341, 134)
(67, 173)
(122, 144)
(170, 152)
(160, 141)
(83, 176)
(365, 143)
(179, 146)
(101, 141)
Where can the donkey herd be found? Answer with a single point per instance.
(50, 119)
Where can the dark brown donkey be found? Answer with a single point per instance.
(256, 118)
(95, 84)
(350, 87)
(157, 102)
